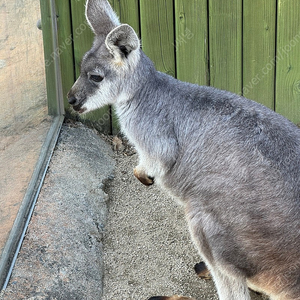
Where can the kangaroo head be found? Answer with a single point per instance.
(107, 68)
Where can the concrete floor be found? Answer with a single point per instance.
(61, 256)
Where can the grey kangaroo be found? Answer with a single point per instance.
(233, 164)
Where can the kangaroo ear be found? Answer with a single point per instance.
(100, 16)
(121, 41)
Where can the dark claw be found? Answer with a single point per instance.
(202, 271)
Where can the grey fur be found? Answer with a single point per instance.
(232, 163)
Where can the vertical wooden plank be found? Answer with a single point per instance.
(191, 42)
(115, 4)
(82, 34)
(287, 98)
(48, 37)
(225, 43)
(259, 35)
(128, 12)
(82, 41)
(65, 48)
(157, 32)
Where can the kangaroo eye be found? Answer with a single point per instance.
(95, 77)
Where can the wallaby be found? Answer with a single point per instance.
(232, 163)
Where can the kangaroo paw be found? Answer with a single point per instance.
(202, 271)
(143, 177)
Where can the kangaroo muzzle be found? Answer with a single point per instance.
(76, 104)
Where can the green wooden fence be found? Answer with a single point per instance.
(250, 47)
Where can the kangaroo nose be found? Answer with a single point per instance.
(72, 100)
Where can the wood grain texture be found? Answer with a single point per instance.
(82, 34)
(259, 50)
(157, 33)
(225, 39)
(65, 48)
(128, 12)
(191, 41)
(287, 96)
(49, 52)
(82, 42)
(236, 45)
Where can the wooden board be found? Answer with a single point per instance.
(157, 33)
(65, 48)
(287, 98)
(225, 44)
(82, 41)
(48, 36)
(248, 47)
(259, 50)
(128, 12)
(82, 34)
(191, 41)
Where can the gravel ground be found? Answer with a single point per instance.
(140, 244)
(147, 248)
(61, 256)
